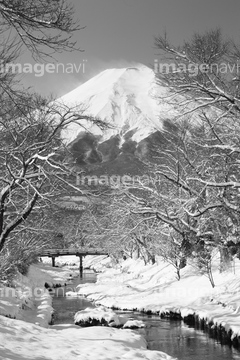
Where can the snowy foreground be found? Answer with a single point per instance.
(27, 341)
(131, 285)
(33, 338)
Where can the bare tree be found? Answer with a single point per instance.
(197, 200)
(34, 163)
(202, 162)
(204, 70)
(44, 27)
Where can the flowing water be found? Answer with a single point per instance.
(173, 337)
(65, 307)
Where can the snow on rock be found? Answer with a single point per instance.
(133, 324)
(105, 316)
(21, 341)
(99, 316)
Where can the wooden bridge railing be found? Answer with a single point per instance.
(81, 251)
(53, 253)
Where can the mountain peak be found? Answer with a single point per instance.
(139, 115)
(121, 97)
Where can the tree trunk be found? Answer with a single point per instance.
(225, 259)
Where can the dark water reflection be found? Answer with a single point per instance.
(178, 340)
(66, 307)
(173, 337)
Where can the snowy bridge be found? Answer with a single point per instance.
(53, 253)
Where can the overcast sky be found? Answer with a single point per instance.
(119, 33)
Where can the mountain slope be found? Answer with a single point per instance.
(121, 97)
(138, 111)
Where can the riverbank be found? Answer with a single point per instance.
(28, 299)
(25, 312)
(155, 289)
(27, 341)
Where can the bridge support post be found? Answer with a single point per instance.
(53, 261)
(81, 267)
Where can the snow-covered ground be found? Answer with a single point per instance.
(128, 285)
(21, 340)
(28, 299)
(131, 285)
(33, 339)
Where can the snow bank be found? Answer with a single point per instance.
(20, 340)
(155, 288)
(97, 262)
(28, 299)
(27, 340)
(45, 273)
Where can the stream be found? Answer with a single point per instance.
(172, 337)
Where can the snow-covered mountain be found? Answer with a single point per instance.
(124, 98)
(128, 99)
(135, 107)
